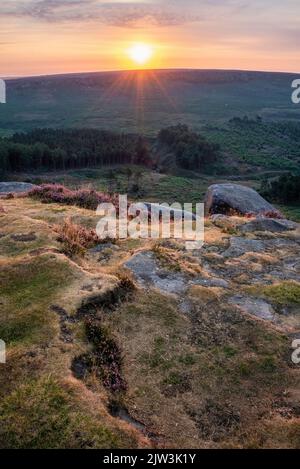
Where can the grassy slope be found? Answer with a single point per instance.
(110, 100)
(41, 404)
(209, 380)
(264, 145)
(153, 186)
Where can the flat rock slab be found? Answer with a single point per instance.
(292, 264)
(283, 243)
(268, 224)
(211, 282)
(254, 306)
(10, 187)
(147, 272)
(239, 246)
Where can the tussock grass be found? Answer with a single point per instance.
(283, 293)
(42, 413)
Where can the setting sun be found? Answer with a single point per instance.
(140, 53)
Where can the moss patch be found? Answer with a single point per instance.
(42, 414)
(27, 288)
(283, 293)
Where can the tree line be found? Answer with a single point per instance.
(63, 149)
(285, 189)
(51, 149)
(191, 150)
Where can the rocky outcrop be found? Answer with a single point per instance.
(158, 210)
(15, 187)
(231, 199)
(149, 273)
(239, 246)
(268, 224)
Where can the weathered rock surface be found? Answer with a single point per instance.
(10, 187)
(254, 306)
(268, 224)
(149, 273)
(158, 210)
(239, 246)
(235, 199)
(211, 282)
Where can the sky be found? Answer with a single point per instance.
(39, 37)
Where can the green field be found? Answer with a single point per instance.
(152, 186)
(140, 343)
(249, 114)
(145, 101)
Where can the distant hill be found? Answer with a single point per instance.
(145, 101)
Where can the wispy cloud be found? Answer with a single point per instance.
(117, 13)
(195, 33)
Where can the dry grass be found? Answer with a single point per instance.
(172, 256)
(75, 238)
(208, 377)
(37, 411)
(198, 380)
(206, 295)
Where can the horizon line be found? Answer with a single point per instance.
(90, 72)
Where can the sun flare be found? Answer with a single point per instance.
(140, 53)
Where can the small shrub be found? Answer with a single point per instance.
(84, 198)
(267, 214)
(283, 293)
(229, 351)
(107, 356)
(268, 365)
(8, 196)
(126, 284)
(187, 359)
(273, 214)
(75, 238)
(165, 258)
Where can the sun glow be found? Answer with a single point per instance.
(140, 53)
